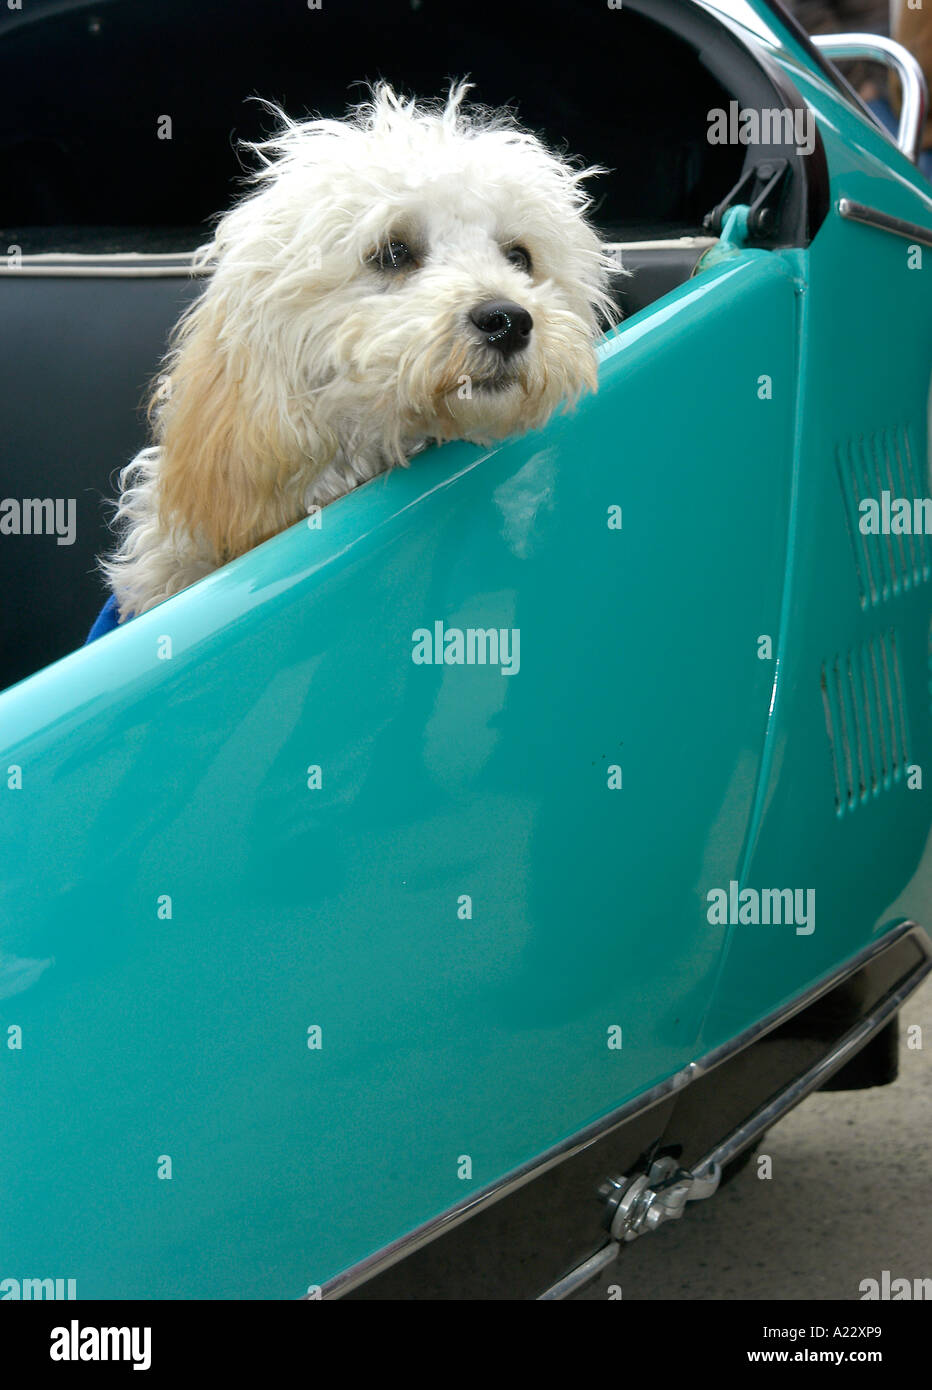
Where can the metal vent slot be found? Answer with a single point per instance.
(851, 494)
(872, 719)
(844, 740)
(889, 685)
(884, 452)
(860, 699)
(888, 563)
(865, 718)
(877, 688)
(830, 724)
(898, 707)
(913, 487)
(883, 544)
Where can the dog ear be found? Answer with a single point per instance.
(226, 449)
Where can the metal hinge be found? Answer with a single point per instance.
(636, 1205)
(761, 188)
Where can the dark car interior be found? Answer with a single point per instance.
(87, 172)
(85, 168)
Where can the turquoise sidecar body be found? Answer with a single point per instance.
(477, 821)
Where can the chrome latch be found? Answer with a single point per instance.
(635, 1205)
(638, 1204)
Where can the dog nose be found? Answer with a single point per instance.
(506, 326)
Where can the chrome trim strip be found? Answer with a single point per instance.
(106, 265)
(872, 217)
(846, 1047)
(422, 1235)
(133, 264)
(762, 1119)
(878, 49)
(130, 257)
(680, 243)
(583, 1274)
(101, 272)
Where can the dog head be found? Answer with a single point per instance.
(414, 272)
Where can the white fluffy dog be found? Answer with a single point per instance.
(413, 273)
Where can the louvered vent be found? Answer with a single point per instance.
(869, 466)
(865, 716)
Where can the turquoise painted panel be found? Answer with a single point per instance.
(836, 813)
(167, 768)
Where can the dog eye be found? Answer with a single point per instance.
(394, 255)
(519, 258)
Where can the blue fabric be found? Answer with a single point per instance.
(107, 619)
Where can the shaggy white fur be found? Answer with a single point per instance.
(334, 340)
